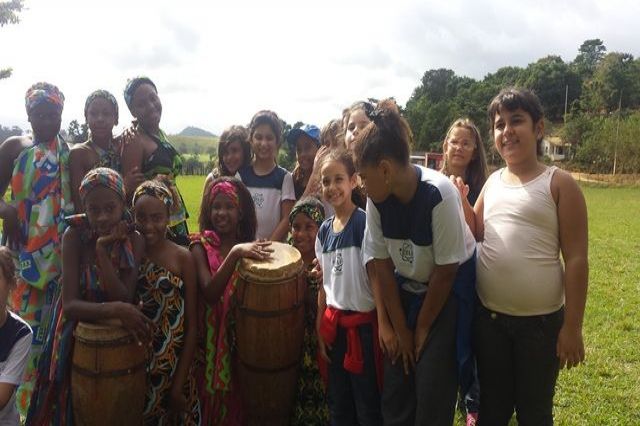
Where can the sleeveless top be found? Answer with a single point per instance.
(519, 270)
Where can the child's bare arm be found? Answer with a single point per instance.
(281, 230)
(386, 335)
(573, 229)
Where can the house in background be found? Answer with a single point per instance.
(554, 148)
(433, 160)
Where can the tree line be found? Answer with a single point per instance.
(599, 90)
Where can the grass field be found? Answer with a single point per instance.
(606, 389)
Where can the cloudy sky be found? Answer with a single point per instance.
(217, 62)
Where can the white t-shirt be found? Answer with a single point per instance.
(15, 344)
(343, 264)
(268, 192)
(430, 230)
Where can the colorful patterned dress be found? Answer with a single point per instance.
(51, 402)
(107, 157)
(311, 402)
(218, 388)
(40, 192)
(163, 295)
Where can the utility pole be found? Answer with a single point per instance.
(615, 147)
(566, 97)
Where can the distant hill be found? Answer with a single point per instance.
(195, 131)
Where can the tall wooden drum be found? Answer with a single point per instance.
(108, 376)
(269, 333)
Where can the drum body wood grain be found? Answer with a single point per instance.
(108, 377)
(269, 333)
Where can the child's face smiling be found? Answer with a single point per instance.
(303, 232)
(146, 106)
(104, 209)
(225, 215)
(515, 135)
(152, 219)
(337, 185)
(264, 143)
(233, 157)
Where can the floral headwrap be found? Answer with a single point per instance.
(225, 188)
(309, 206)
(132, 85)
(154, 189)
(103, 94)
(102, 176)
(43, 92)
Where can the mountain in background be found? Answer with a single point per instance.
(196, 131)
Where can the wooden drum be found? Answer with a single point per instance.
(269, 332)
(108, 377)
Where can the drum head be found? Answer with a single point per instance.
(285, 262)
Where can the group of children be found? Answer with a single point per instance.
(423, 286)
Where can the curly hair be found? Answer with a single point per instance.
(8, 266)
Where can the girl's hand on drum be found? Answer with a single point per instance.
(258, 250)
(136, 322)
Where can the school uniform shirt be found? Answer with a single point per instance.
(268, 192)
(15, 344)
(430, 230)
(342, 260)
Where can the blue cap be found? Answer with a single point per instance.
(308, 129)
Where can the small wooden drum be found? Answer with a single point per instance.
(108, 377)
(269, 332)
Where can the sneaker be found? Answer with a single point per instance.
(472, 419)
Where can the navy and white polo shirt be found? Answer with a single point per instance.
(268, 192)
(430, 230)
(15, 344)
(343, 263)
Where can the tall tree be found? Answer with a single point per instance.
(590, 53)
(9, 15)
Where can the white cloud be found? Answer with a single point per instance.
(216, 63)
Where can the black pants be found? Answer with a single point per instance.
(517, 366)
(354, 399)
(427, 396)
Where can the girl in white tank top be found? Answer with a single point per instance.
(526, 216)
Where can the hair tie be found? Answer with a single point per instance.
(225, 188)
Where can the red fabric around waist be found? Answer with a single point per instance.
(353, 360)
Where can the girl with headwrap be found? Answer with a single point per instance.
(227, 233)
(311, 404)
(148, 154)
(33, 221)
(101, 149)
(168, 290)
(101, 253)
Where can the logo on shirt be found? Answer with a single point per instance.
(258, 199)
(406, 252)
(337, 264)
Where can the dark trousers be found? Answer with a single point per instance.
(517, 366)
(464, 289)
(427, 396)
(354, 399)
